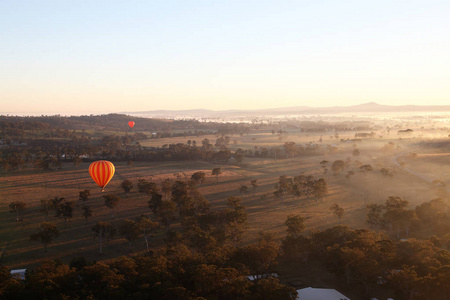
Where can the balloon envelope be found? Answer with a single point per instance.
(102, 171)
(131, 124)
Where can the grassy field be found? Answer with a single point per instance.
(265, 211)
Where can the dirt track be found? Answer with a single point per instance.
(422, 176)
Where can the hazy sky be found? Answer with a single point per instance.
(92, 56)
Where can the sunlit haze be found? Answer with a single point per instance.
(80, 57)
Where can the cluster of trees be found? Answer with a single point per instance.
(49, 155)
(173, 201)
(201, 259)
(175, 272)
(65, 209)
(368, 260)
(301, 185)
(339, 166)
(204, 259)
(291, 150)
(428, 218)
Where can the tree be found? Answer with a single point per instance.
(374, 215)
(320, 188)
(338, 166)
(290, 148)
(79, 263)
(17, 207)
(198, 177)
(103, 230)
(10, 287)
(366, 168)
(126, 185)
(432, 211)
(200, 205)
(238, 156)
(87, 212)
(47, 233)
(261, 256)
(166, 212)
(338, 211)
(283, 186)
(271, 289)
(210, 281)
(146, 187)
(350, 260)
(405, 281)
(295, 225)
(166, 188)
(221, 156)
(111, 201)
(147, 226)
(243, 189)
(65, 210)
(396, 215)
(350, 174)
(386, 172)
(46, 206)
(52, 279)
(84, 196)
(324, 163)
(207, 149)
(77, 161)
(216, 172)
(180, 190)
(222, 141)
(130, 230)
(155, 202)
(101, 281)
(236, 219)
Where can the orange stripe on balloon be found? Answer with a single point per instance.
(102, 172)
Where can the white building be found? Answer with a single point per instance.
(320, 294)
(18, 274)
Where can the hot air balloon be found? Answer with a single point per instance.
(102, 171)
(131, 124)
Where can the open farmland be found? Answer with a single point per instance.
(266, 212)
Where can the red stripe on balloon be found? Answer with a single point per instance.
(102, 172)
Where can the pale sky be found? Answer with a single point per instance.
(78, 57)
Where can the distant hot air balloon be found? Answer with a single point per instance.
(131, 124)
(102, 171)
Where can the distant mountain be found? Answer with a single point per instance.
(365, 107)
(188, 111)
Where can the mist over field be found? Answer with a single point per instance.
(295, 201)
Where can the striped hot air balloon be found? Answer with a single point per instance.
(102, 171)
